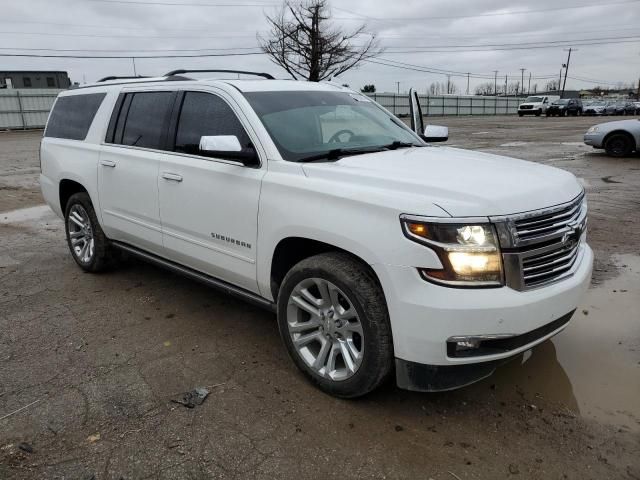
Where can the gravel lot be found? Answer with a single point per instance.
(89, 364)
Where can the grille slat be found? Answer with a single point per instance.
(543, 247)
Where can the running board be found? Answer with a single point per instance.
(198, 276)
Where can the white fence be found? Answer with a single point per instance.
(28, 108)
(25, 108)
(449, 105)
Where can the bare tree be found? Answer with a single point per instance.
(485, 89)
(552, 85)
(306, 45)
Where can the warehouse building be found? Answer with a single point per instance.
(34, 79)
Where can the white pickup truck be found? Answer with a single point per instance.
(381, 253)
(536, 105)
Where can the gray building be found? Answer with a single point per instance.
(34, 79)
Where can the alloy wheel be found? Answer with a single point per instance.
(325, 329)
(80, 233)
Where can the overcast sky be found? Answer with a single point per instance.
(453, 30)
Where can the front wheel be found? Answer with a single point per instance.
(87, 242)
(618, 145)
(333, 320)
(538, 113)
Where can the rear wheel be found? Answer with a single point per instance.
(87, 242)
(334, 323)
(618, 145)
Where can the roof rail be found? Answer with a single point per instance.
(179, 72)
(113, 77)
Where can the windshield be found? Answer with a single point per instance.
(306, 124)
(534, 99)
(561, 102)
(598, 104)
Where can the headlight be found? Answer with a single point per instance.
(592, 130)
(469, 253)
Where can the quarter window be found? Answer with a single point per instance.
(205, 114)
(72, 115)
(145, 120)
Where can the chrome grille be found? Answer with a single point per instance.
(542, 246)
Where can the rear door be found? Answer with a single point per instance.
(209, 206)
(128, 168)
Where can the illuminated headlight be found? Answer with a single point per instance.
(592, 129)
(469, 253)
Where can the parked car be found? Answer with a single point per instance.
(565, 106)
(619, 138)
(629, 108)
(597, 107)
(536, 105)
(637, 105)
(380, 253)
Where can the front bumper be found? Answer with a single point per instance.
(593, 139)
(530, 111)
(424, 315)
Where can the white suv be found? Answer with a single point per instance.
(379, 252)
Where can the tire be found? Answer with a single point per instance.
(89, 246)
(520, 114)
(618, 145)
(538, 113)
(332, 328)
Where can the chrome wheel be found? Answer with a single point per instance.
(80, 233)
(325, 329)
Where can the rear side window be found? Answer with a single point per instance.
(205, 114)
(72, 115)
(146, 119)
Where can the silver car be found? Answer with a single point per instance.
(619, 138)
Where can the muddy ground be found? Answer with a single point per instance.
(93, 361)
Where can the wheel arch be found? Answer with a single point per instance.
(291, 250)
(66, 189)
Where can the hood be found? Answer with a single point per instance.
(462, 182)
(531, 103)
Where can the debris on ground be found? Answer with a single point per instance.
(93, 438)
(192, 398)
(25, 447)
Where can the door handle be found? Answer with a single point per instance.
(108, 163)
(174, 177)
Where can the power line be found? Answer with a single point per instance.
(200, 55)
(493, 14)
(174, 4)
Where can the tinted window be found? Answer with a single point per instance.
(144, 125)
(72, 116)
(50, 82)
(26, 81)
(204, 114)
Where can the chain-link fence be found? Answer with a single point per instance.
(449, 104)
(25, 108)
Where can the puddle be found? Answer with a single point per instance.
(593, 367)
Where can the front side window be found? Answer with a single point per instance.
(26, 81)
(72, 115)
(50, 82)
(305, 124)
(146, 119)
(205, 114)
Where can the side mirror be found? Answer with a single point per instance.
(435, 133)
(415, 111)
(228, 147)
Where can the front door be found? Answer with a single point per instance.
(128, 170)
(209, 206)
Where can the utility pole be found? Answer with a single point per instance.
(566, 71)
(529, 87)
(398, 84)
(448, 83)
(495, 83)
(468, 83)
(522, 79)
(505, 85)
(133, 60)
(560, 79)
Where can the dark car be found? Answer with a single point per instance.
(629, 108)
(564, 107)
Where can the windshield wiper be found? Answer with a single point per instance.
(337, 153)
(398, 144)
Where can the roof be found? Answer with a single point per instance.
(13, 72)
(242, 85)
